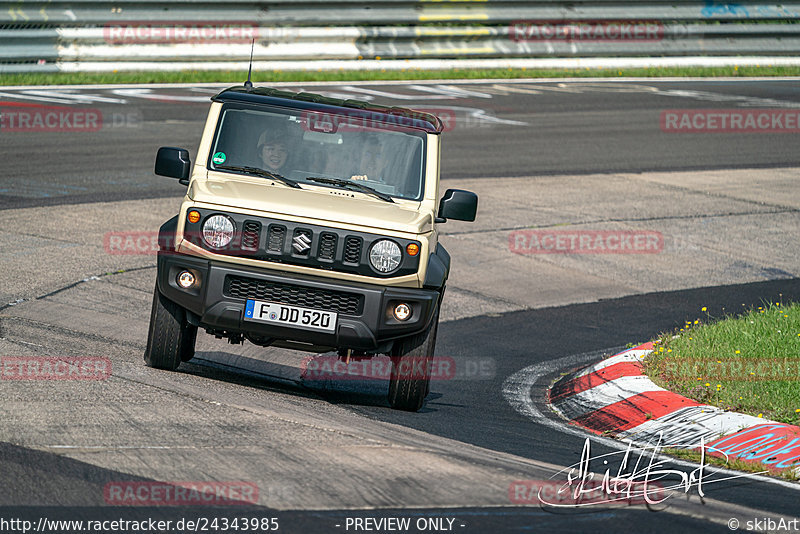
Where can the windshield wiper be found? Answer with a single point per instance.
(351, 185)
(260, 172)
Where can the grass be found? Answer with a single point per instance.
(234, 77)
(748, 363)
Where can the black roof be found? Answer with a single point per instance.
(314, 102)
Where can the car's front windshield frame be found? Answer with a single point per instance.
(401, 149)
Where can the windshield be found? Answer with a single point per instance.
(305, 146)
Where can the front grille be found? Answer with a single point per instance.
(352, 249)
(304, 245)
(250, 234)
(276, 237)
(327, 246)
(293, 295)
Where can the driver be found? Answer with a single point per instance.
(373, 164)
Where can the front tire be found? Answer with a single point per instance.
(411, 357)
(170, 339)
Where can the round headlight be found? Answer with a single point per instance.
(385, 256)
(218, 231)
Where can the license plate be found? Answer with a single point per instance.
(281, 314)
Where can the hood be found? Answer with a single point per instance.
(325, 205)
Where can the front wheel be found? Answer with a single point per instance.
(411, 375)
(170, 339)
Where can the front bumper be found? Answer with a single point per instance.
(364, 320)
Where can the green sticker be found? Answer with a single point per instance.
(219, 157)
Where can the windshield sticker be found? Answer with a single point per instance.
(219, 158)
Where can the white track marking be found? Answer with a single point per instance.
(147, 94)
(80, 98)
(23, 96)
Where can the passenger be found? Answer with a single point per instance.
(273, 150)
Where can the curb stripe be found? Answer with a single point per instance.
(604, 395)
(613, 396)
(582, 383)
(634, 411)
(631, 355)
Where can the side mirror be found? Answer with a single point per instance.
(459, 205)
(173, 163)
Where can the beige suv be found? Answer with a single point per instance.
(308, 223)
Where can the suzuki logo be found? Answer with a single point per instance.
(301, 243)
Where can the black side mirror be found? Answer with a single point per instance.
(174, 163)
(459, 205)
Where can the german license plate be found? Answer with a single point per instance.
(283, 315)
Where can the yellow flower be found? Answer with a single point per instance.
(707, 384)
(703, 308)
(669, 350)
(797, 410)
(719, 385)
(761, 415)
(737, 351)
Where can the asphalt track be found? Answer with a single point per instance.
(507, 129)
(540, 129)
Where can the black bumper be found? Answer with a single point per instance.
(364, 320)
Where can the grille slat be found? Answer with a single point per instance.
(327, 247)
(250, 234)
(276, 238)
(293, 295)
(352, 249)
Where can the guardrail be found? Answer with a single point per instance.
(143, 34)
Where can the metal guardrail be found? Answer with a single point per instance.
(98, 35)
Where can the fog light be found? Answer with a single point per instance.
(186, 279)
(193, 216)
(402, 312)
